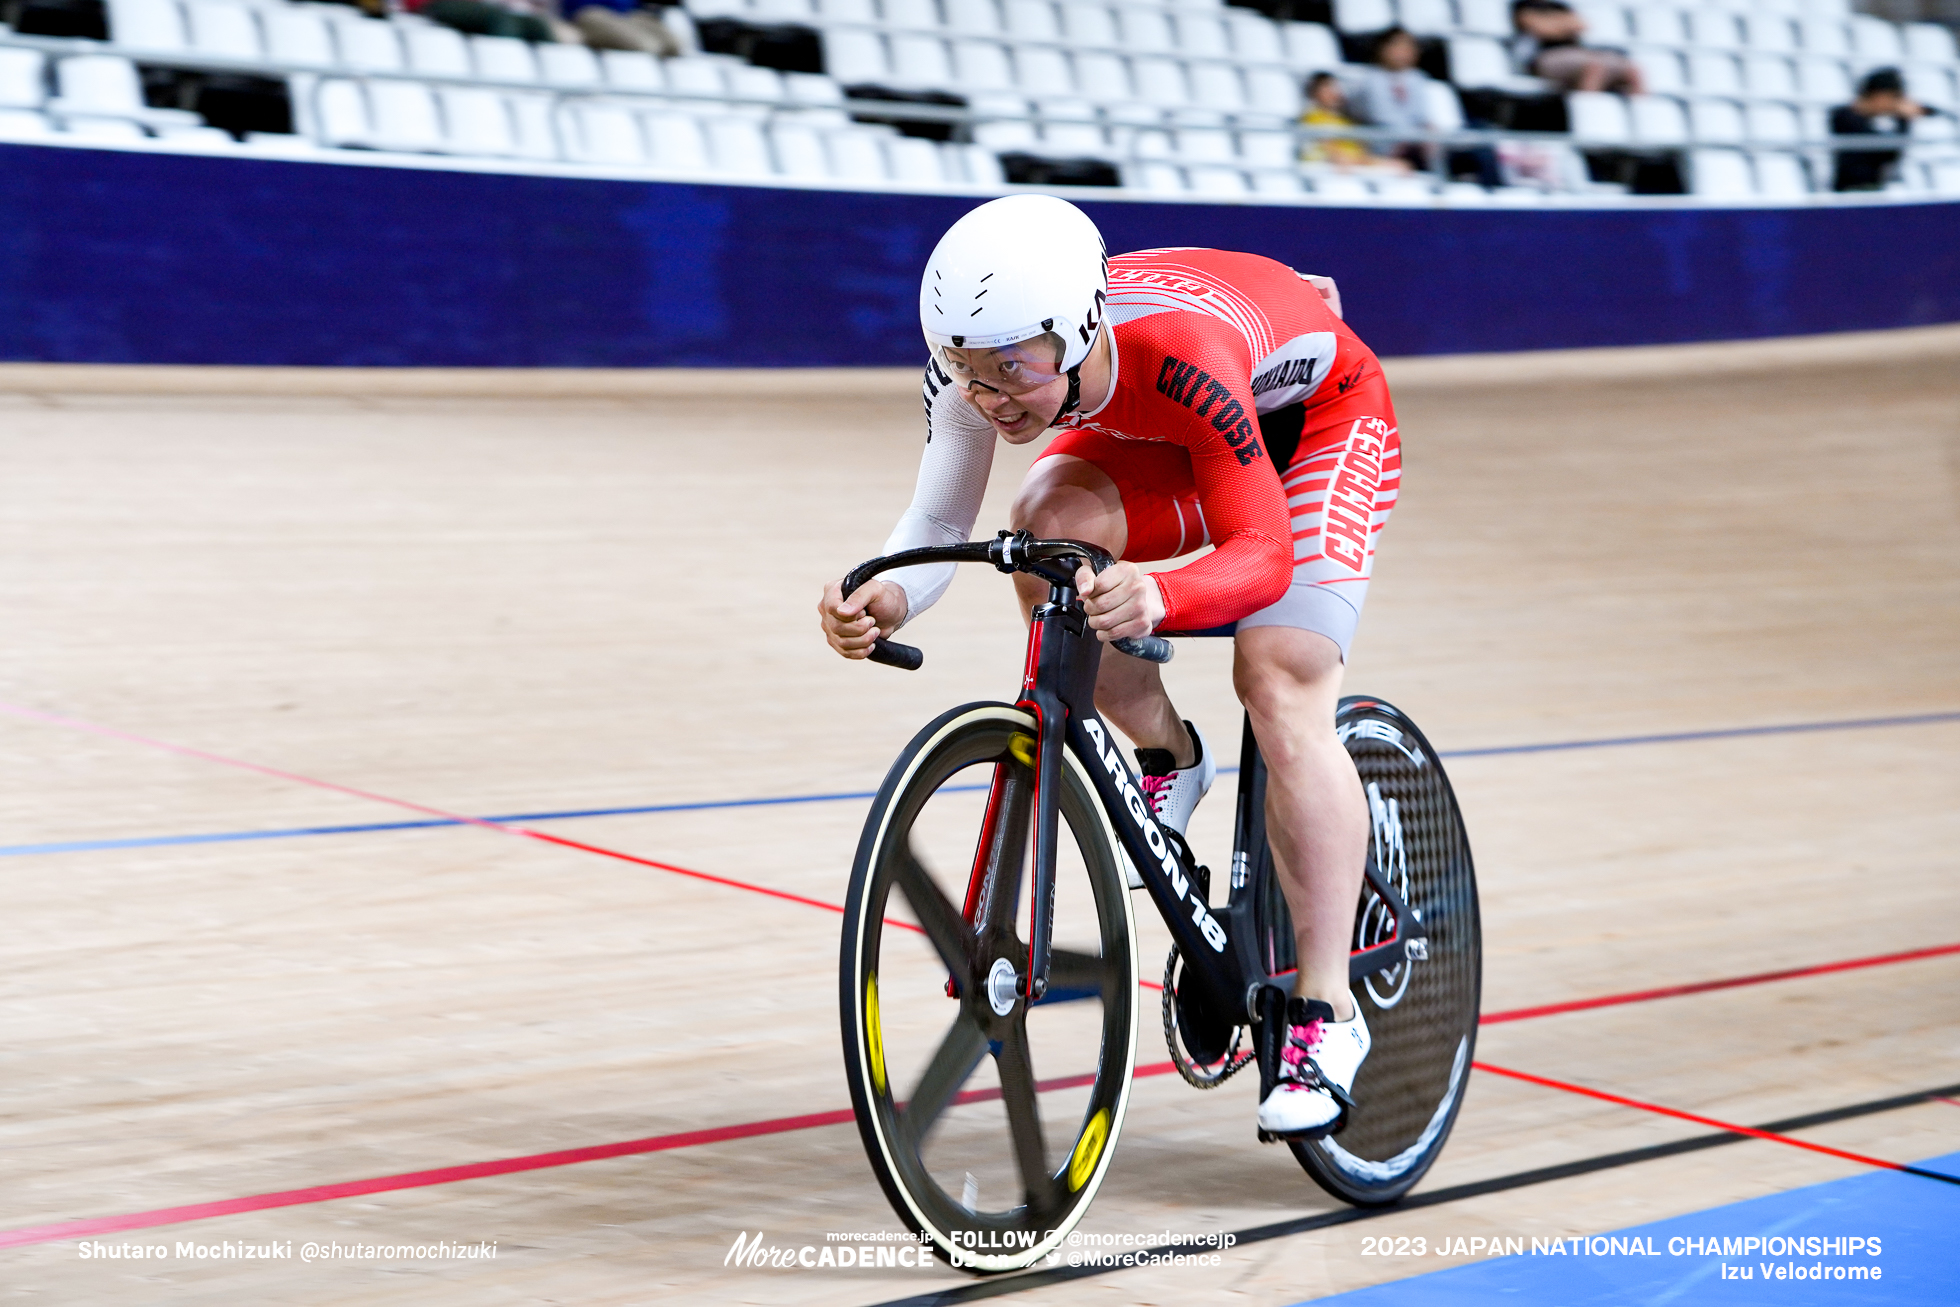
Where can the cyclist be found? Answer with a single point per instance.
(1201, 397)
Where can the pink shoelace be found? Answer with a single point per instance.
(1157, 790)
(1301, 1041)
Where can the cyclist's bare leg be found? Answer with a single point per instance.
(1316, 812)
(1067, 498)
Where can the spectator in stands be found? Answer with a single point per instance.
(1882, 109)
(1394, 93)
(482, 18)
(1327, 106)
(1548, 45)
(622, 25)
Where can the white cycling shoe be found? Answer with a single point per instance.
(1317, 1068)
(1171, 792)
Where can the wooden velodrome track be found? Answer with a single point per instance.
(514, 594)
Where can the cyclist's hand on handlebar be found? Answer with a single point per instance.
(852, 625)
(1124, 601)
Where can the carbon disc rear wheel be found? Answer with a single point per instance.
(1421, 1014)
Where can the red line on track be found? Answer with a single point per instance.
(101, 1225)
(1729, 1126)
(1705, 986)
(483, 823)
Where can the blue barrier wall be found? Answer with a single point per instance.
(108, 256)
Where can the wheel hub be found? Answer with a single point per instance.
(1002, 987)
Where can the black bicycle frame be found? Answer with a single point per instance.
(1058, 688)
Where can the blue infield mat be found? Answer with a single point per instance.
(1909, 1255)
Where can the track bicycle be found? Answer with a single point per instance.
(970, 977)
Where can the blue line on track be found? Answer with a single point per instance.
(299, 832)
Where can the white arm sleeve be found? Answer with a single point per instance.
(946, 503)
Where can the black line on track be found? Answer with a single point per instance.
(1020, 1283)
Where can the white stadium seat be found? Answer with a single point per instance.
(1154, 176)
(561, 64)
(1215, 180)
(1043, 70)
(23, 78)
(1089, 25)
(1493, 18)
(982, 65)
(1721, 175)
(1268, 149)
(368, 44)
(1426, 17)
(784, 11)
(1255, 38)
(1876, 40)
(223, 29)
(119, 131)
(1278, 184)
(1445, 107)
(504, 59)
(475, 121)
(605, 134)
(297, 36)
(1273, 90)
(1205, 36)
(1773, 123)
(1311, 47)
(1205, 145)
(630, 70)
(858, 155)
(1160, 81)
(1780, 176)
(798, 151)
(1934, 84)
(1216, 86)
(1769, 77)
(749, 82)
(980, 166)
(922, 14)
(1662, 68)
(24, 125)
(1363, 15)
(1771, 32)
(1658, 24)
(340, 110)
(920, 61)
(915, 160)
(853, 56)
(1104, 78)
(1823, 81)
(1714, 72)
(1657, 120)
(1145, 30)
(1823, 36)
(1342, 186)
(977, 17)
(534, 127)
(440, 50)
(1598, 118)
(698, 77)
(1478, 61)
(1931, 43)
(404, 116)
(147, 24)
(736, 146)
(1033, 20)
(1717, 122)
(1606, 24)
(675, 141)
(1714, 29)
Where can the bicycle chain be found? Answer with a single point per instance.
(1234, 1060)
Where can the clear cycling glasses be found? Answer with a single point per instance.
(1016, 369)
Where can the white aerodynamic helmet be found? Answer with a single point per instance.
(1013, 269)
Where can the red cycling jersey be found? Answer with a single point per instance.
(1205, 341)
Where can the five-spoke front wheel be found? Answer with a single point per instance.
(989, 1120)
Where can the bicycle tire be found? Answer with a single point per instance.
(1422, 1015)
(876, 1016)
